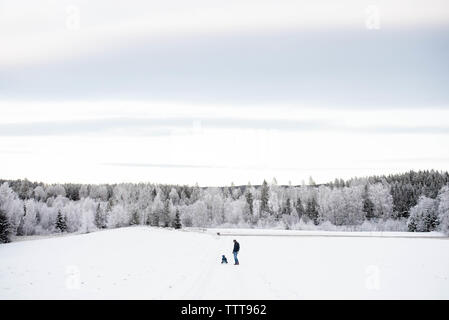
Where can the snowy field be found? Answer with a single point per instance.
(149, 263)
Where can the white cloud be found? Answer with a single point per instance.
(37, 31)
(211, 143)
(219, 155)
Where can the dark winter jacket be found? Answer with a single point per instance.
(236, 247)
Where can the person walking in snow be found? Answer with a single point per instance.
(235, 251)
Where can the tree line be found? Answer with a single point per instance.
(412, 201)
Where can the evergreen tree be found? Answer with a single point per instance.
(135, 217)
(177, 223)
(343, 203)
(38, 218)
(166, 213)
(368, 208)
(264, 196)
(5, 227)
(412, 225)
(285, 210)
(431, 222)
(196, 193)
(312, 211)
(424, 216)
(226, 193)
(61, 223)
(99, 218)
(311, 182)
(299, 208)
(25, 190)
(249, 201)
(288, 207)
(153, 194)
(368, 205)
(232, 190)
(155, 220)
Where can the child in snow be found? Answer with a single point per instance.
(223, 259)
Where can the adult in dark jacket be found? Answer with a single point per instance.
(235, 251)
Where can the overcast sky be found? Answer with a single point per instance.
(216, 92)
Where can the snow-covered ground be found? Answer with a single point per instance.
(149, 263)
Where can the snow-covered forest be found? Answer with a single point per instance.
(414, 201)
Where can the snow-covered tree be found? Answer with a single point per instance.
(99, 192)
(177, 222)
(101, 215)
(88, 210)
(72, 213)
(423, 216)
(275, 199)
(443, 209)
(236, 192)
(165, 217)
(234, 210)
(174, 196)
(341, 206)
(312, 211)
(144, 203)
(331, 206)
(200, 216)
(5, 228)
(61, 224)
(368, 205)
(40, 194)
(84, 191)
(12, 206)
(264, 198)
(377, 202)
(29, 220)
(25, 190)
(157, 209)
(196, 194)
(56, 190)
(249, 200)
(380, 196)
(186, 216)
(299, 208)
(118, 217)
(353, 201)
(215, 204)
(21, 227)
